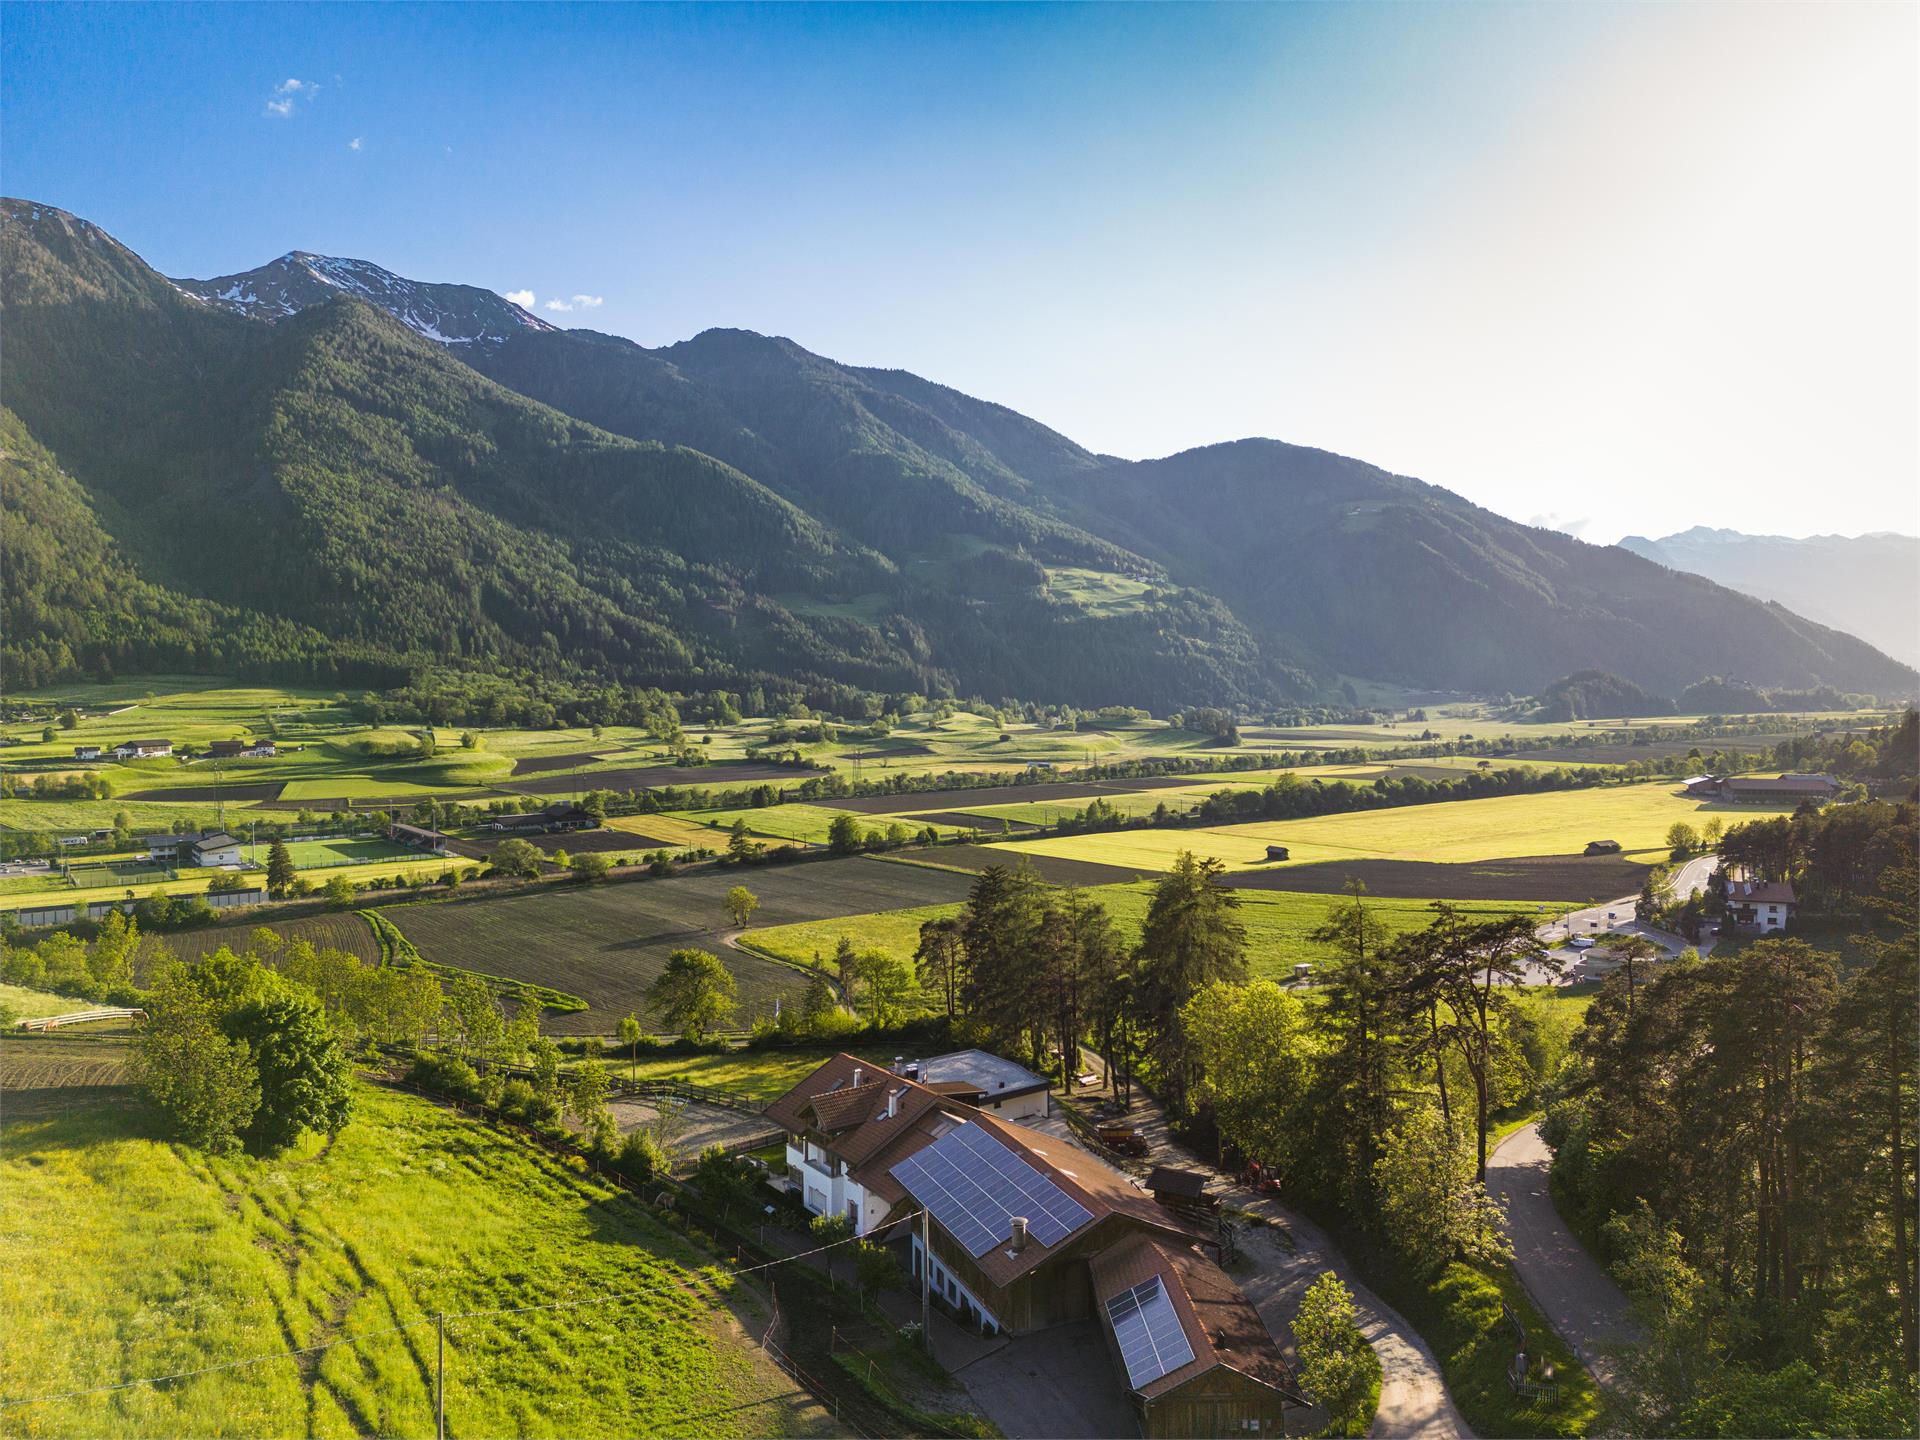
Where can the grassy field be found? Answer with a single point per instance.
(670, 831)
(128, 1256)
(805, 823)
(24, 1004)
(757, 1075)
(1278, 924)
(317, 854)
(606, 943)
(1553, 823)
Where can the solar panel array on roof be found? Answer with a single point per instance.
(1151, 1340)
(974, 1186)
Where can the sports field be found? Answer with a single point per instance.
(606, 943)
(1553, 823)
(317, 854)
(128, 1256)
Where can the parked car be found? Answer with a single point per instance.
(1581, 942)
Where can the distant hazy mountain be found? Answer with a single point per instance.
(1867, 585)
(325, 470)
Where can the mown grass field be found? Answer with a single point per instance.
(757, 1075)
(1457, 831)
(807, 824)
(607, 943)
(127, 1256)
(311, 854)
(1278, 925)
(25, 1004)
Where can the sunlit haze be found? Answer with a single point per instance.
(1611, 268)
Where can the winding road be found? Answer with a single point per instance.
(1579, 1299)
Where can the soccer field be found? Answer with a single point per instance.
(1554, 823)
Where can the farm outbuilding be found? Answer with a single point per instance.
(1278, 852)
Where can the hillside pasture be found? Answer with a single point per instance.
(411, 1211)
(607, 943)
(1558, 822)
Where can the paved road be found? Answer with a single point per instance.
(1615, 917)
(1413, 1398)
(1578, 1298)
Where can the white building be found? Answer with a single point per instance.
(1763, 907)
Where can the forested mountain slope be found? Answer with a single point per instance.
(425, 473)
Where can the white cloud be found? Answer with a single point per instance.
(522, 298)
(588, 302)
(1566, 524)
(354, 144)
(559, 305)
(287, 94)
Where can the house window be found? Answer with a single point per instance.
(853, 1213)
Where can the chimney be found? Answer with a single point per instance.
(893, 1103)
(913, 1070)
(899, 1064)
(1017, 1241)
(858, 1076)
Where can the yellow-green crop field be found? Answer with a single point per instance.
(1279, 924)
(125, 1255)
(1552, 823)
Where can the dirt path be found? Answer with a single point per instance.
(1578, 1298)
(1413, 1397)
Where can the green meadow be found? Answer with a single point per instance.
(125, 1255)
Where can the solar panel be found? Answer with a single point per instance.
(974, 1186)
(1151, 1340)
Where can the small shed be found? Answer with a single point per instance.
(1278, 852)
(1180, 1189)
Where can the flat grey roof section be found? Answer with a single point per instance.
(993, 1074)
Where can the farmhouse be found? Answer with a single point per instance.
(418, 837)
(86, 752)
(142, 749)
(1761, 907)
(1764, 790)
(563, 816)
(1026, 1230)
(225, 749)
(985, 1081)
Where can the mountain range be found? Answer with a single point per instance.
(1867, 585)
(321, 470)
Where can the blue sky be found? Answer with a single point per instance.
(1609, 267)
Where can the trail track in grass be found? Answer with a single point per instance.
(126, 1255)
(607, 943)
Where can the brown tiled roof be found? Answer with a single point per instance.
(1760, 892)
(1220, 1323)
(840, 1109)
(833, 1073)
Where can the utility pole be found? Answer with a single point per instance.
(440, 1376)
(926, 1284)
